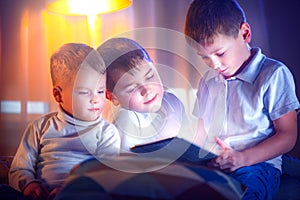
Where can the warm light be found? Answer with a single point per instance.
(86, 7)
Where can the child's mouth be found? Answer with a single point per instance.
(222, 71)
(94, 109)
(151, 100)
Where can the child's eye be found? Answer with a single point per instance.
(204, 57)
(100, 91)
(220, 54)
(150, 77)
(130, 90)
(83, 92)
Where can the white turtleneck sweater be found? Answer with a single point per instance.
(52, 145)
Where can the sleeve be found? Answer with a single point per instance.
(280, 97)
(202, 94)
(187, 128)
(23, 167)
(109, 144)
(127, 127)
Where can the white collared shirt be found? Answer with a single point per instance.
(138, 128)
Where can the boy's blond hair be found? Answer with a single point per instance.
(66, 62)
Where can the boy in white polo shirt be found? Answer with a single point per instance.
(148, 113)
(246, 104)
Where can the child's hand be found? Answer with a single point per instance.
(36, 191)
(53, 193)
(229, 160)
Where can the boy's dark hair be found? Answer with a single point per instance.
(120, 55)
(207, 18)
(69, 58)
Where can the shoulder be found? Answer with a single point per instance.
(266, 64)
(272, 64)
(43, 120)
(171, 103)
(275, 70)
(171, 98)
(275, 78)
(265, 70)
(36, 128)
(107, 125)
(278, 87)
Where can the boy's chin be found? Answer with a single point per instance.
(88, 119)
(153, 108)
(148, 109)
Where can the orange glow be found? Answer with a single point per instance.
(24, 35)
(24, 40)
(86, 7)
(94, 27)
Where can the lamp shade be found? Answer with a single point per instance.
(86, 7)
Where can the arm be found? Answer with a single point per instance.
(35, 190)
(282, 142)
(22, 175)
(22, 170)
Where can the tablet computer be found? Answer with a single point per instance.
(180, 148)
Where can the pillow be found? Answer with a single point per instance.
(177, 180)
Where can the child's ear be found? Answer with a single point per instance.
(246, 32)
(110, 96)
(57, 94)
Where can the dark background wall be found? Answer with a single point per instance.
(283, 22)
(283, 30)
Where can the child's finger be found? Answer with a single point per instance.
(221, 143)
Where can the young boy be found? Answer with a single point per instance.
(247, 103)
(147, 113)
(56, 142)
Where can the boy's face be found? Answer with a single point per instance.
(85, 101)
(227, 54)
(139, 89)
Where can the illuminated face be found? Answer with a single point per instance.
(85, 101)
(227, 54)
(139, 89)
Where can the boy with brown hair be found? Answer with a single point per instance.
(246, 104)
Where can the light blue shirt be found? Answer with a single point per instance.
(241, 109)
(53, 144)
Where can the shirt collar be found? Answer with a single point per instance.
(253, 67)
(249, 72)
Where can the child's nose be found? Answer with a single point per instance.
(94, 99)
(215, 63)
(145, 89)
